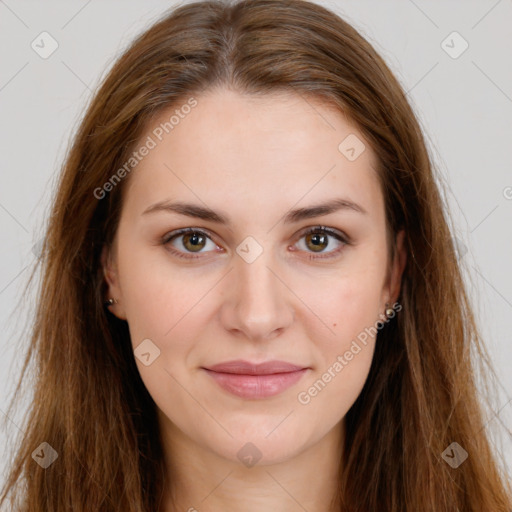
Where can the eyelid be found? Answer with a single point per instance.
(330, 231)
(183, 231)
(304, 231)
(335, 254)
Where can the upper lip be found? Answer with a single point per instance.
(246, 368)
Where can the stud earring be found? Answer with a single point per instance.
(110, 302)
(389, 311)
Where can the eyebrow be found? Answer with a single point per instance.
(297, 215)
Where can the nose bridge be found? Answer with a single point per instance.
(259, 304)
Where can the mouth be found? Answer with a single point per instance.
(256, 381)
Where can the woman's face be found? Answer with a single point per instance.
(250, 175)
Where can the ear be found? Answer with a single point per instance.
(397, 269)
(111, 277)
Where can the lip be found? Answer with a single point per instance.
(241, 367)
(256, 381)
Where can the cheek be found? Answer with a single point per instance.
(170, 307)
(351, 311)
(349, 305)
(344, 358)
(157, 295)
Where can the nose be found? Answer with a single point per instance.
(258, 305)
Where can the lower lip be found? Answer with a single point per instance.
(256, 386)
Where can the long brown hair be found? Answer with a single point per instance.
(90, 404)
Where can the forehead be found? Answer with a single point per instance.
(255, 150)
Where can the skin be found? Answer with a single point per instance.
(254, 159)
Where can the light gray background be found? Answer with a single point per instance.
(464, 105)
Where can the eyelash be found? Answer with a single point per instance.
(314, 230)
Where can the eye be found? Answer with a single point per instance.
(317, 240)
(193, 240)
(188, 243)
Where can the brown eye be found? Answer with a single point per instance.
(316, 241)
(194, 241)
(320, 238)
(325, 242)
(185, 242)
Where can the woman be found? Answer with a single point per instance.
(250, 297)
